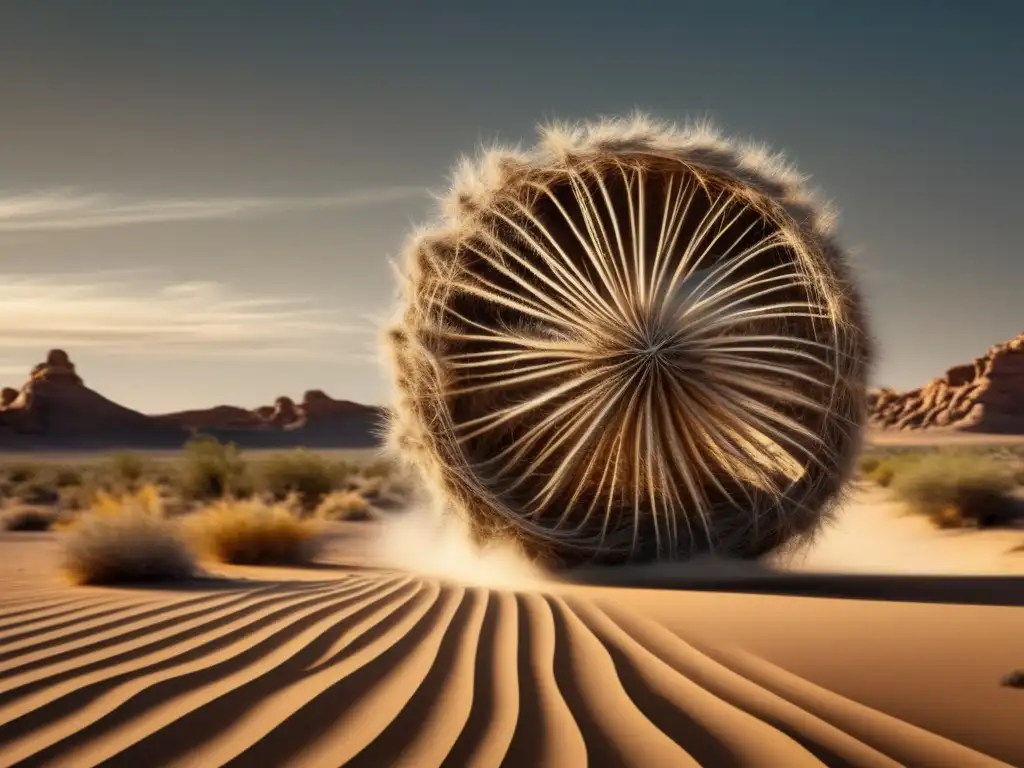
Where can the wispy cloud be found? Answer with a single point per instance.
(70, 209)
(148, 318)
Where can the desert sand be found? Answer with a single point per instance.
(839, 657)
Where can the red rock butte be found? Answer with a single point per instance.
(984, 396)
(55, 408)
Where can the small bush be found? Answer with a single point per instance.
(302, 473)
(251, 533)
(68, 477)
(36, 493)
(127, 469)
(21, 473)
(868, 464)
(212, 470)
(28, 519)
(345, 505)
(958, 491)
(130, 546)
(889, 467)
(76, 498)
(883, 475)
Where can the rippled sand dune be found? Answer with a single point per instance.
(352, 664)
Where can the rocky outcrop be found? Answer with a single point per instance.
(284, 412)
(317, 420)
(984, 396)
(218, 417)
(55, 409)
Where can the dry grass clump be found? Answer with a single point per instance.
(127, 539)
(28, 519)
(349, 506)
(253, 533)
(959, 490)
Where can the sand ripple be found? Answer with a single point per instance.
(380, 669)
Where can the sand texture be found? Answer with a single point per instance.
(358, 663)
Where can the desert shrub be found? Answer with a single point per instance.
(889, 467)
(302, 473)
(21, 473)
(883, 475)
(345, 505)
(37, 493)
(145, 500)
(959, 490)
(68, 477)
(28, 519)
(127, 469)
(211, 470)
(252, 533)
(868, 464)
(76, 497)
(130, 546)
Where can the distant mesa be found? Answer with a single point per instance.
(54, 409)
(984, 396)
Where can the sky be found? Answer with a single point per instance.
(200, 201)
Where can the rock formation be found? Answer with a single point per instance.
(55, 409)
(984, 396)
(283, 413)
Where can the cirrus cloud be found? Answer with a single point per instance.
(151, 318)
(70, 209)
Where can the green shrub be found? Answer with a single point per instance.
(127, 469)
(68, 477)
(211, 470)
(300, 473)
(959, 490)
(868, 464)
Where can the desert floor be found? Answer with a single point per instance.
(884, 644)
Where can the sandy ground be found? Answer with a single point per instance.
(884, 645)
(945, 437)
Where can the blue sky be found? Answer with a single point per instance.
(199, 200)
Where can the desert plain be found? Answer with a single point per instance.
(888, 641)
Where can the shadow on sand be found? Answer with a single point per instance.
(752, 578)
